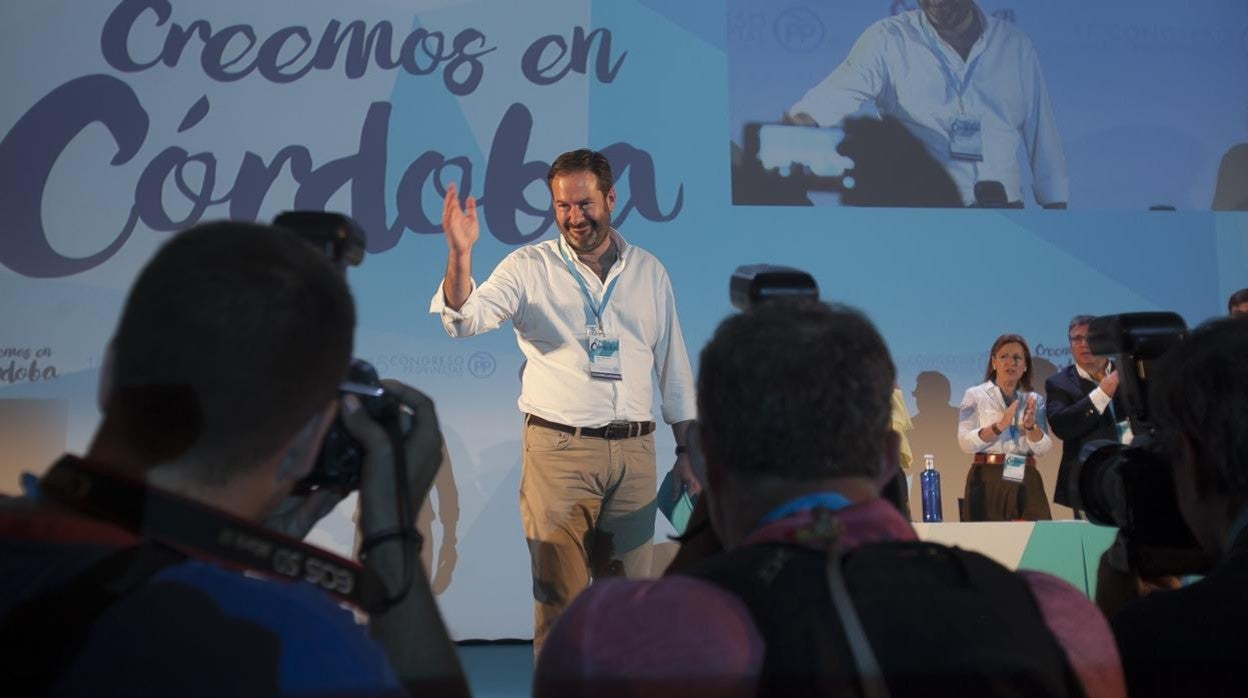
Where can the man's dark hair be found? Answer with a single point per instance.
(1237, 298)
(1077, 321)
(799, 390)
(583, 160)
(1201, 393)
(235, 335)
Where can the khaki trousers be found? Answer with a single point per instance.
(587, 506)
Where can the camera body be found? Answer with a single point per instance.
(339, 237)
(340, 461)
(753, 284)
(1131, 486)
(782, 164)
(341, 458)
(804, 153)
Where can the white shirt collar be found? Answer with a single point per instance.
(620, 243)
(1088, 376)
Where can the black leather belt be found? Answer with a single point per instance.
(611, 432)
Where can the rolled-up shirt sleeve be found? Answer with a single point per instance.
(859, 79)
(1044, 144)
(489, 305)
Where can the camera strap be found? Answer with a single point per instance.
(206, 533)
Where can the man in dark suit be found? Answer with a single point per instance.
(1080, 404)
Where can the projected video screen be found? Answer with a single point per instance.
(999, 104)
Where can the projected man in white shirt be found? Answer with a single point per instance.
(967, 85)
(595, 319)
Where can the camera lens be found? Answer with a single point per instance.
(1096, 483)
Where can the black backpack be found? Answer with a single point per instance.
(940, 621)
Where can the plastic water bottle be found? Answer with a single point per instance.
(929, 484)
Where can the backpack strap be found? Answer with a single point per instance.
(868, 667)
(813, 649)
(46, 632)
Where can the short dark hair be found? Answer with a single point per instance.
(1201, 392)
(798, 390)
(1237, 298)
(1078, 320)
(583, 160)
(250, 325)
(991, 374)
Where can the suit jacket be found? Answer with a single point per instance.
(1073, 419)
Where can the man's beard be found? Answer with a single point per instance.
(595, 233)
(954, 19)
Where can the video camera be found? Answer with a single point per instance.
(339, 463)
(1131, 486)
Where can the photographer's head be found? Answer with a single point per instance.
(226, 361)
(1237, 304)
(1200, 402)
(793, 397)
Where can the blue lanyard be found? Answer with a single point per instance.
(823, 500)
(589, 299)
(960, 86)
(1015, 434)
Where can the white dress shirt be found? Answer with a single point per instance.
(983, 405)
(1100, 399)
(534, 288)
(902, 66)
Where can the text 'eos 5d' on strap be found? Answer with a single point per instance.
(203, 532)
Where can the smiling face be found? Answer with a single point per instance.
(582, 211)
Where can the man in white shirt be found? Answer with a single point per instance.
(967, 85)
(595, 317)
